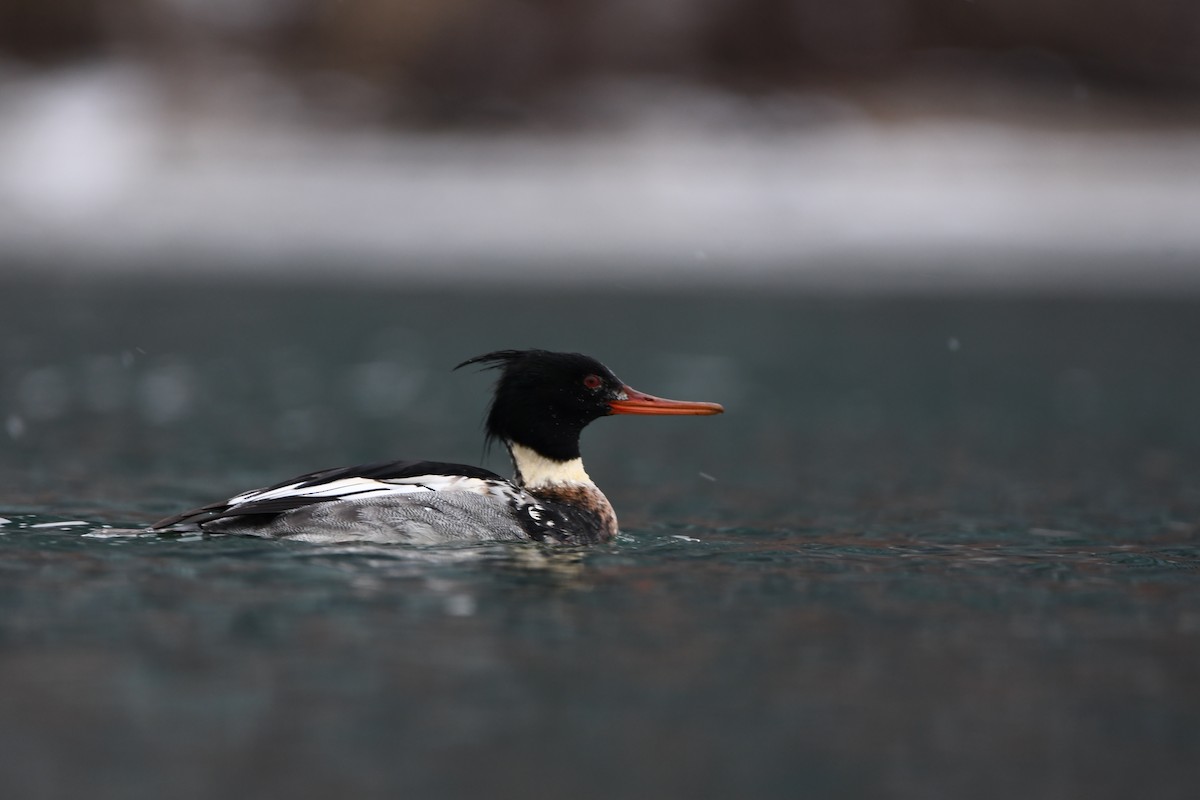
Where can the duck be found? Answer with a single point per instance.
(541, 403)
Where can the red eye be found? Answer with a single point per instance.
(593, 382)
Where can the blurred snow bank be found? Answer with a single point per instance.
(73, 144)
(96, 175)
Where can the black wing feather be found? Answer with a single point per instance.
(387, 471)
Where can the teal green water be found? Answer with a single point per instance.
(935, 548)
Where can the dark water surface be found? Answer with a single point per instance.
(935, 548)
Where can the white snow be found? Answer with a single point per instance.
(95, 175)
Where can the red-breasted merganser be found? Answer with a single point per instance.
(542, 402)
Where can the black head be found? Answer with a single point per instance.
(543, 399)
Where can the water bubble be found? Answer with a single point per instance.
(460, 605)
(15, 426)
(953, 344)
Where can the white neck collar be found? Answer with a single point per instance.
(535, 470)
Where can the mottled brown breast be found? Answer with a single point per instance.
(586, 511)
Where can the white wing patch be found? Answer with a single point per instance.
(374, 487)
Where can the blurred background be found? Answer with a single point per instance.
(939, 259)
(877, 143)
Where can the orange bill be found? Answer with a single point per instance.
(639, 403)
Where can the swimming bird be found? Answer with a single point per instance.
(542, 401)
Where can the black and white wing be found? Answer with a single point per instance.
(379, 480)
